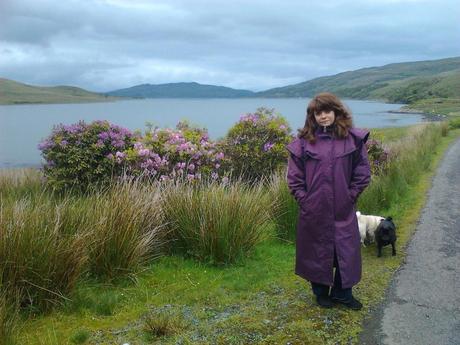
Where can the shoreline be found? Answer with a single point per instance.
(426, 116)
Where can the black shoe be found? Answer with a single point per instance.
(352, 303)
(324, 301)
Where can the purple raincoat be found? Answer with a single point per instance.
(326, 178)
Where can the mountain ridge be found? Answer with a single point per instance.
(180, 90)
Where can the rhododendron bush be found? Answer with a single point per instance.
(185, 152)
(256, 145)
(81, 154)
(77, 155)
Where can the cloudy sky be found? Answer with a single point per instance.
(103, 45)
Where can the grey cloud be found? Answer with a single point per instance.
(110, 44)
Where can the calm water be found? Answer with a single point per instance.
(22, 127)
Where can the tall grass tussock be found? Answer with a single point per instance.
(286, 210)
(411, 157)
(49, 242)
(38, 257)
(9, 317)
(126, 227)
(216, 222)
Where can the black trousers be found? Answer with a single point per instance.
(337, 290)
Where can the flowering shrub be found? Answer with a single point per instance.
(255, 146)
(185, 153)
(378, 156)
(83, 154)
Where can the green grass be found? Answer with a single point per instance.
(257, 300)
(444, 106)
(388, 135)
(9, 318)
(80, 336)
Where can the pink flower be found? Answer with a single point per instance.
(180, 165)
(120, 156)
(183, 147)
(268, 146)
(45, 145)
(144, 152)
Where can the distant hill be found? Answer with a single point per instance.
(406, 82)
(12, 92)
(431, 86)
(180, 90)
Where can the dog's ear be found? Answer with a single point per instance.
(390, 219)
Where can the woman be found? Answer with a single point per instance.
(327, 170)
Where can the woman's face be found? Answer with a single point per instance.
(325, 118)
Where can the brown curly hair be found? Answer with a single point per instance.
(326, 101)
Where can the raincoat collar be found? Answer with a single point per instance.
(329, 130)
(299, 146)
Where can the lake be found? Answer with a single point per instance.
(22, 127)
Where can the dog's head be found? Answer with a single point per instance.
(386, 230)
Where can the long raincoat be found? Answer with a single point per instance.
(326, 178)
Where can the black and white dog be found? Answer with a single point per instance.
(367, 225)
(385, 234)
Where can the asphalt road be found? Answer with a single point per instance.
(422, 304)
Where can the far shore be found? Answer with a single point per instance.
(426, 116)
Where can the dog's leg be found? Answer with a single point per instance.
(393, 252)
